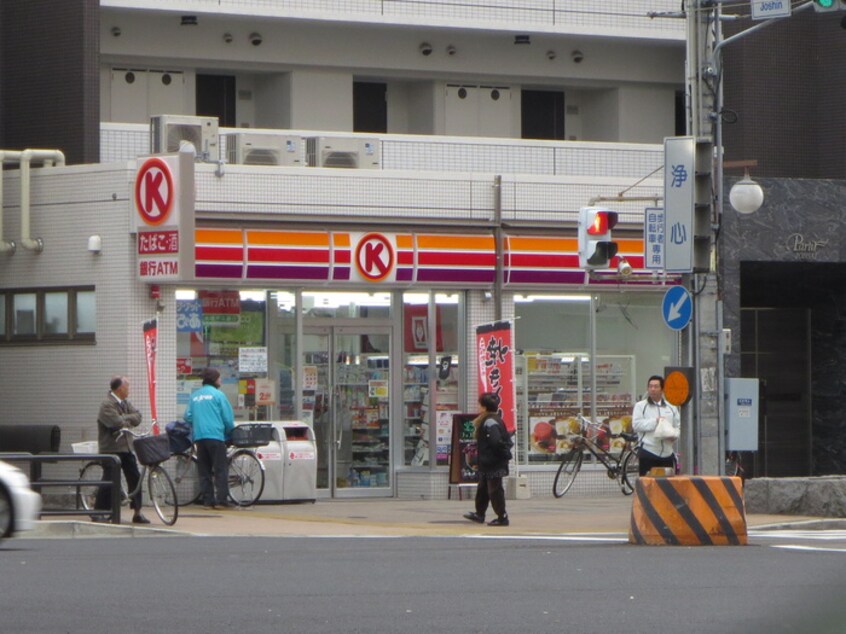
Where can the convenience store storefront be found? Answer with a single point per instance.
(365, 335)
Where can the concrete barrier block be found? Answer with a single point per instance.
(688, 511)
(820, 497)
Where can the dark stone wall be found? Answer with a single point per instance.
(794, 247)
(785, 82)
(49, 77)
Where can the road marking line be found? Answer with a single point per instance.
(809, 548)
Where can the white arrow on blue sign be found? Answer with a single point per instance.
(677, 308)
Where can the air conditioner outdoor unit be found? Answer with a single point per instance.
(167, 131)
(344, 152)
(253, 148)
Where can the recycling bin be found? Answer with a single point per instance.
(290, 463)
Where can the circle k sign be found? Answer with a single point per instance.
(155, 194)
(374, 257)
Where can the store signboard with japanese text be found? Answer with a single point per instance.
(162, 217)
(495, 353)
(679, 190)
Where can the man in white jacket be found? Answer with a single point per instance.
(655, 452)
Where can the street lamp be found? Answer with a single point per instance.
(746, 196)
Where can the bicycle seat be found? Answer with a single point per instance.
(628, 436)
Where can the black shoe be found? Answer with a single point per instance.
(208, 507)
(140, 519)
(500, 521)
(226, 505)
(475, 517)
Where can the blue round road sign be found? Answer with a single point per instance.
(677, 307)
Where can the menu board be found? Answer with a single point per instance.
(464, 455)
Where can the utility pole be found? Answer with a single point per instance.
(700, 342)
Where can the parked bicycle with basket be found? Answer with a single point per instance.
(151, 452)
(246, 472)
(622, 466)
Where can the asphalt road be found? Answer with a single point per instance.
(414, 584)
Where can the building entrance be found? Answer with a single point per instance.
(346, 379)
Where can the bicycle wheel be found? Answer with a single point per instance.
(567, 472)
(87, 493)
(246, 477)
(182, 469)
(163, 495)
(629, 472)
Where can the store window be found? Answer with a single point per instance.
(225, 330)
(554, 382)
(48, 316)
(335, 305)
(281, 333)
(430, 375)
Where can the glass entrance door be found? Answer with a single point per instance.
(346, 381)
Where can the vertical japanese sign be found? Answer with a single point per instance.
(163, 217)
(496, 367)
(679, 190)
(151, 331)
(653, 238)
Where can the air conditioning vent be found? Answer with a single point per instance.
(263, 149)
(348, 153)
(167, 132)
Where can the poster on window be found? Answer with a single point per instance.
(496, 367)
(416, 328)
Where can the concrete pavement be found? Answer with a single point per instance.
(391, 517)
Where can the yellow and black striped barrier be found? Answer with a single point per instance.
(688, 511)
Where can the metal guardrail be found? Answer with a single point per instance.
(38, 482)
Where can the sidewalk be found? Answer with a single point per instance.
(391, 517)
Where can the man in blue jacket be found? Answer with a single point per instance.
(210, 415)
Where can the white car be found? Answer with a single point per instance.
(20, 506)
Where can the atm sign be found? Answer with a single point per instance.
(158, 242)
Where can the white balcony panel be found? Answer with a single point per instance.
(623, 19)
(309, 193)
(120, 141)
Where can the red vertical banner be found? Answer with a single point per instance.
(151, 331)
(496, 367)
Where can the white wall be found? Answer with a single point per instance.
(272, 98)
(646, 113)
(64, 384)
(321, 100)
(600, 115)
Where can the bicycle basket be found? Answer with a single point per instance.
(252, 435)
(179, 435)
(152, 450)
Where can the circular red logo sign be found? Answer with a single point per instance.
(154, 191)
(374, 257)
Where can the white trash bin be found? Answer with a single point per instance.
(290, 463)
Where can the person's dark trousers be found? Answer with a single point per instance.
(129, 466)
(490, 490)
(213, 471)
(646, 460)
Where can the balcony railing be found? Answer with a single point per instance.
(625, 19)
(448, 179)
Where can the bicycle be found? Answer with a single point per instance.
(622, 468)
(150, 452)
(734, 464)
(246, 471)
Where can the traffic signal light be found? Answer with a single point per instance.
(822, 6)
(595, 245)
